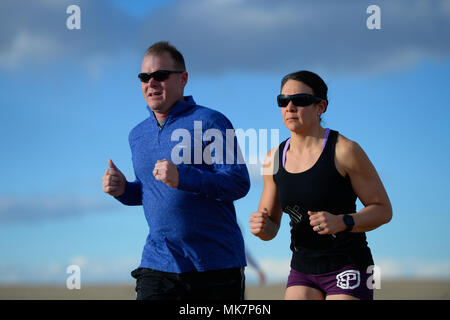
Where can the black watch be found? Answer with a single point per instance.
(349, 222)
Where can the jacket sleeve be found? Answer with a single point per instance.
(133, 194)
(227, 177)
(133, 190)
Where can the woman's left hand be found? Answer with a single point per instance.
(324, 222)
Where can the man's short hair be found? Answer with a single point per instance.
(159, 48)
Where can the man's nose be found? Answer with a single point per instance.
(154, 83)
(148, 85)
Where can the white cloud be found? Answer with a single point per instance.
(413, 268)
(15, 208)
(27, 46)
(439, 269)
(390, 268)
(445, 7)
(233, 35)
(93, 270)
(35, 31)
(79, 260)
(106, 270)
(117, 269)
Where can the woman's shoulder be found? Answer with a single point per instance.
(270, 156)
(271, 162)
(348, 152)
(346, 145)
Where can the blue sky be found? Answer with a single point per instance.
(70, 97)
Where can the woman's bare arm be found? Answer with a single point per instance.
(352, 160)
(265, 222)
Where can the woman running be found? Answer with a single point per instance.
(316, 176)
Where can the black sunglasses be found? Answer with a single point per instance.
(160, 75)
(299, 100)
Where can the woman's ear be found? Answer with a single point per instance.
(322, 106)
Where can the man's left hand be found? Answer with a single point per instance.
(166, 172)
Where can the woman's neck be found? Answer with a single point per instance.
(306, 139)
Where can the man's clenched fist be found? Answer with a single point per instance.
(113, 181)
(166, 172)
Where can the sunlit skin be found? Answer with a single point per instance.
(302, 120)
(307, 137)
(161, 96)
(304, 123)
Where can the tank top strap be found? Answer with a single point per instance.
(284, 146)
(280, 157)
(330, 147)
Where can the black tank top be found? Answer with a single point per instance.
(320, 188)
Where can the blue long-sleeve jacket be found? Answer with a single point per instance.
(194, 226)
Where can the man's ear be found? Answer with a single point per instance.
(184, 78)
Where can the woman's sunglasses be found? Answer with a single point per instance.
(160, 75)
(299, 100)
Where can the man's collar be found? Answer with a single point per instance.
(179, 107)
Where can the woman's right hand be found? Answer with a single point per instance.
(262, 226)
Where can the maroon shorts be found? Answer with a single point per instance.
(349, 280)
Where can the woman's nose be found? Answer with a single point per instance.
(291, 107)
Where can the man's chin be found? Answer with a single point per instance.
(158, 108)
(162, 107)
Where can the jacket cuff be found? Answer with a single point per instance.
(131, 194)
(189, 178)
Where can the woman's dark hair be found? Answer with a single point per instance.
(311, 79)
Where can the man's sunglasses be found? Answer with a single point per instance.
(299, 100)
(160, 75)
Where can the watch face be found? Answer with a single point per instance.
(348, 220)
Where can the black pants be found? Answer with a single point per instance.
(226, 284)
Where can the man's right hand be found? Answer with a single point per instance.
(114, 181)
